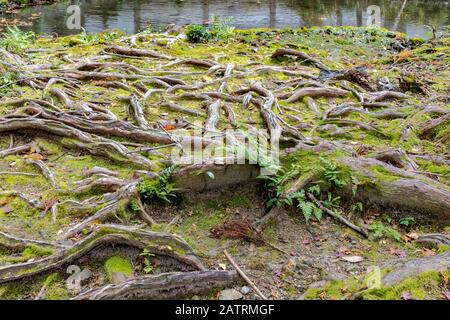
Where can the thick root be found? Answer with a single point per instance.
(164, 286)
(160, 244)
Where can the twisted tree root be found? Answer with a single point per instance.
(162, 244)
(164, 286)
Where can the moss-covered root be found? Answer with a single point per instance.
(160, 244)
(415, 279)
(164, 286)
(388, 186)
(425, 285)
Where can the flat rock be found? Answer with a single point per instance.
(230, 294)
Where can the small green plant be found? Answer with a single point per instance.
(16, 40)
(358, 207)
(222, 29)
(308, 208)
(6, 80)
(196, 33)
(275, 185)
(332, 173)
(388, 219)
(88, 37)
(392, 233)
(160, 188)
(379, 230)
(134, 206)
(407, 222)
(148, 266)
(331, 202)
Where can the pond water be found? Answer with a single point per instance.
(408, 16)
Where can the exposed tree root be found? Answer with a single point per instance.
(307, 58)
(397, 188)
(164, 286)
(317, 92)
(161, 244)
(410, 268)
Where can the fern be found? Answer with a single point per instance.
(16, 40)
(160, 188)
(332, 173)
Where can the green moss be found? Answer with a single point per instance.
(118, 264)
(33, 251)
(424, 286)
(382, 173)
(420, 288)
(333, 290)
(240, 201)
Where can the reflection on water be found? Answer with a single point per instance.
(407, 16)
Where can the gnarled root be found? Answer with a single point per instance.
(388, 186)
(410, 268)
(164, 286)
(160, 244)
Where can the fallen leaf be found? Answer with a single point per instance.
(345, 251)
(48, 204)
(353, 259)
(412, 235)
(4, 201)
(428, 252)
(169, 127)
(34, 156)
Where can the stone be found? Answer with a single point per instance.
(230, 294)
(245, 290)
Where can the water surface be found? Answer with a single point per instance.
(408, 16)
